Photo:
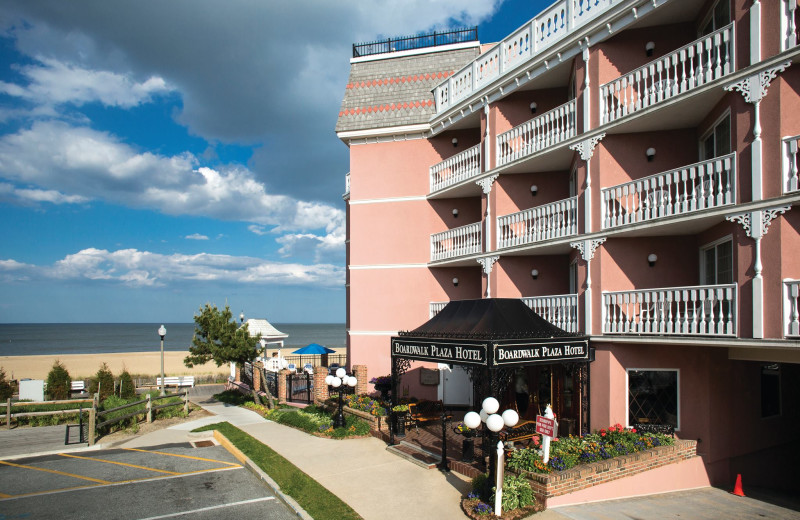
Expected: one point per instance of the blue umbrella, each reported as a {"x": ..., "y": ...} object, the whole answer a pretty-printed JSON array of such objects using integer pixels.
[{"x": 313, "y": 349}]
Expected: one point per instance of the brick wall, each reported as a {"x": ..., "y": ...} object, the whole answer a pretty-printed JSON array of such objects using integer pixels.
[{"x": 584, "y": 476}]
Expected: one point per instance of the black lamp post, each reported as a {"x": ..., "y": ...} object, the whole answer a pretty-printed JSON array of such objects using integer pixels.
[{"x": 339, "y": 382}]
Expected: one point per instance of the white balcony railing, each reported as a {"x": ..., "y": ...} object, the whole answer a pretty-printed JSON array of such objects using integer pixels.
[
  {"x": 347, "y": 184},
  {"x": 457, "y": 168},
  {"x": 791, "y": 308},
  {"x": 707, "y": 184},
  {"x": 537, "y": 35},
  {"x": 560, "y": 310},
  {"x": 537, "y": 134},
  {"x": 556, "y": 220},
  {"x": 791, "y": 178},
  {"x": 702, "y": 61},
  {"x": 460, "y": 241},
  {"x": 788, "y": 24},
  {"x": 435, "y": 307},
  {"x": 704, "y": 310}
]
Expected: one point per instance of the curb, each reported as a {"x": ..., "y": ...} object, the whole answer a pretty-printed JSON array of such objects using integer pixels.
[{"x": 289, "y": 501}]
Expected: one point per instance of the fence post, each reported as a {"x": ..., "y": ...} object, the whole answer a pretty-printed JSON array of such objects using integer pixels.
[
  {"x": 8, "y": 413},
  {"x": 186, "y": 402},
  {"x": 92, "y": 419},
  {"x": 149, "y": 406}
]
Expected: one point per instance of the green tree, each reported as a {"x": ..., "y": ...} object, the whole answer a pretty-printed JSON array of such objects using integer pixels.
[
  {"x": 218, "y": 338},
  {"x": 127, "y": 390},
  {"x": 102, "y": 382},
  {"x": 6, "y": 387},
  {"x": 59, "y": 383}
]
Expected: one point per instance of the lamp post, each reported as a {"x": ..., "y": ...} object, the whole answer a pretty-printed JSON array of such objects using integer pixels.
[
  {"x": 494, "y": 423},
  {"x": 340, "y": 381},
  {"x": 162, "y": 331}
]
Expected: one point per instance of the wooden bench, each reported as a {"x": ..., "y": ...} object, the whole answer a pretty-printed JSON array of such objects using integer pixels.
[
  {"x": 425, "y": 411},
  {"x": 78, "y": 386},
  {"x": 648, "y": 427},
  {"x": 523, "y": 431},
  {"x": 177, "y": 381}
]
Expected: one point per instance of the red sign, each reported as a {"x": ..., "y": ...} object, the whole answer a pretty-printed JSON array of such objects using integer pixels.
[{"x": 545, "y": 426}]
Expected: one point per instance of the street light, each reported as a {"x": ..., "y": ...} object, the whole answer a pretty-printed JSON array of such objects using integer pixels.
[
  {"x": 162, "y": 331},
  {"x": 340, "y": 381}
]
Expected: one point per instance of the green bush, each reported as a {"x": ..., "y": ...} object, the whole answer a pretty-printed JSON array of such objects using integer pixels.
[
  {"x": 6, "y": 387},
  {"x": 59, "y": 383},
  {"x": 104, "y": 380},
  {"x": 127, "y": 390},
  {"x": 517, "y": 493}
]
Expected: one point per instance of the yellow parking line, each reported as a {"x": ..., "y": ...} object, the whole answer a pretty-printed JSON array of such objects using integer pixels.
[
  {"x": 120, "y": 463},
  {"x": 55, "y": 471},
  {"x": 3, "y": 495},
  {"x": 182, "y": 456}
]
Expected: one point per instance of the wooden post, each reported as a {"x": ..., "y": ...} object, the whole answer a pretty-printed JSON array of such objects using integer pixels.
[
  {"x": 186, "y": 402},
  {"x": 149, "y": 407},
  {"x": 8, "y": 413},
  {"x": 92, "y": 420}
]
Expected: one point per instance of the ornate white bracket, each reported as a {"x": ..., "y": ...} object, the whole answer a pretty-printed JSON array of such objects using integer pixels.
[
  {"x": 486, "y": 183},
  {"x": 756, "y": 224},
  {"x": 587, "y": 247},
  {"x": 488, "y": 263},
  {"x": 586, "y": 148},
  {"x": 754, "y": 87}
]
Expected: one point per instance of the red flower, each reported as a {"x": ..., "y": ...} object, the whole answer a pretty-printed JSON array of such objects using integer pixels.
[
  {"x": 633, "y": 430},
  {"x": 602, "y": 434}
]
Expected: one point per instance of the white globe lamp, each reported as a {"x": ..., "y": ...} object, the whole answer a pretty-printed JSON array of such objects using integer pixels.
[
  {"x": 510, "y": 418},
  {"x": 472, "y": 420},
  {"x": 491, "y": 405},
  {"x": 340, "y": 373},
  {"x": 483, "y": 415},
  {"x": 495, "y": 423}
]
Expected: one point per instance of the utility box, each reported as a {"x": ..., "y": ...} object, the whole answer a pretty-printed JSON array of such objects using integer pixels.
[{"x": 31, "y": 390}]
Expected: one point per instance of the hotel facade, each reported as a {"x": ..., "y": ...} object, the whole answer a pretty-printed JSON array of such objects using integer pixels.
[{"x": 626, "y": 168}]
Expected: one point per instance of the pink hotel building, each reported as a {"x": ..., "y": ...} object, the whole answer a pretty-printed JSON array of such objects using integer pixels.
[{"x": 626, "y": 168}]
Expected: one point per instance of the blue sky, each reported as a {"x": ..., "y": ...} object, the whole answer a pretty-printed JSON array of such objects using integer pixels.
[{"x": 155, "y": 156}]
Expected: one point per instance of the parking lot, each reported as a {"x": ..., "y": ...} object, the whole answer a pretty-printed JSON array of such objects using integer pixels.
[{"x": 178, "y": 480}]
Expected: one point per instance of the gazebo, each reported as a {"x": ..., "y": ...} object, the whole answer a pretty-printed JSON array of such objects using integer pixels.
[
  {"x": 269, "y": 334},
  {"x": 491, "y": 338}
]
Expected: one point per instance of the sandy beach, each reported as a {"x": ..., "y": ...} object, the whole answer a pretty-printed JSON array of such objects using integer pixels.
[{"x": 85, "y": 365}]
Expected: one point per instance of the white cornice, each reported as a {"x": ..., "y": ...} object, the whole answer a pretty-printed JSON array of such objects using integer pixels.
[
  {"x": 389, "y": 199},
  {"x": 386, "y": 266},
  {"x": 416, "y": 52},
  {"x": 389, "y": 131},
  {"x": 372, "y": 332}
]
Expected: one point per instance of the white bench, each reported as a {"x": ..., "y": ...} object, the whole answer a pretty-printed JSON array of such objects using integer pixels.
[
  {"x": 78, "y": 386},
  {"x": 177, "y": 381}
]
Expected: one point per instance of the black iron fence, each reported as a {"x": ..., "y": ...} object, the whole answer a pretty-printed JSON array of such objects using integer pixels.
[
  {"x": 246, "y": 374},
  {"x": 301, "y": 361},
  {"x": 420, "y": 41},
  {"x": 269, "y": 381},
  {"x": 300, "y": 387}
]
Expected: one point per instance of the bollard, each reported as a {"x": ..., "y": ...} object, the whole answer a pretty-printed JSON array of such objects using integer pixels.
[
  {"x": 92, "y": 419},
  {"x": 444, "y": 465},
  {"x": 186, "y": 402},
  {"x": 8, "y": 413},
  {"x": 149, "y": 407}
]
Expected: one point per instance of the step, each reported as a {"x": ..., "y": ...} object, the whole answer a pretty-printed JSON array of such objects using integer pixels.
[{"x": 415, "y": 454}]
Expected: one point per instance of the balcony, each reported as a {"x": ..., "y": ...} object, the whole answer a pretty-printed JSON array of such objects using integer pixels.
[
  {"x": 535, "y": 135},
  {"x": 560, "y": 310},
  {"x": 703, "y": 185},
  {"x": 556, "y": 220},
  {"x": 703, "y": 310},
  {"x": 346, "y": 186},
  {"x": 458, "y": 168},
  {"x": 791, "y": 179},
  {"x": 788, "y": 25},
  {"x": 791, "y": 308},
  {"x": 457, "y": 242},
  {"x": 688, "y": 68},
  {"x": 526, "y": 43}
]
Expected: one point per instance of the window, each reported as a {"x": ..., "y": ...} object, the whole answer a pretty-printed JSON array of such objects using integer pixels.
[
  {"x": 770, "y": 390},
  {"x": 718, "y": 17},
  {"x": 573, "y": 278},
  {"x": 717, "y": 263},
  {"x": 653, "y": 397},
  {"x": 718, "y": 140}
]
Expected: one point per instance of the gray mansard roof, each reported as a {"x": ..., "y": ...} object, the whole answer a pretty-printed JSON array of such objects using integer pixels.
[{"x": 397, "y": 91}]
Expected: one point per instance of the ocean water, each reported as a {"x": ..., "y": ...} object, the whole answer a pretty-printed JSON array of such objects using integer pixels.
[{"x": 31, "y": 339}]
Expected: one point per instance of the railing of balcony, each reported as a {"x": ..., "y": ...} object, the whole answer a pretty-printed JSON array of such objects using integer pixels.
[
  {"x": 560, "y": 310},
  {"x": 702, "y": 61},
  {"x": 347, "y": 184},
  {"x": 540, "y": 132},
  {"x": 537, "y": 35},
  {"x": 789, "y": 36},
  {"x": 555, "y": 220},
  {"x": 707, "y": 184},
  {"x": 791, "y": 179},
  {"x": 457, "y": 168},
  {"x": 420, "y": 41},
  {"x": 704, "y": 310},
  {"x": 435, "y": 307},
  {"x": 791, "y": 308},
  {"x": 460, "y": 241}
]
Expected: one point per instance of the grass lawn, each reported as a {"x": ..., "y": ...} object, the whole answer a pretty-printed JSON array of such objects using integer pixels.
[{"x": 320, "y": 503}]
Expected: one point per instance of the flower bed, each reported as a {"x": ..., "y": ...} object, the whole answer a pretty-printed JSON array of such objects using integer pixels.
[{"x": 314, "y": 421}]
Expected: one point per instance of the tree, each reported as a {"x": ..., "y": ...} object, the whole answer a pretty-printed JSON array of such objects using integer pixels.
[
  {"x": 127, "y": 390},
  {"x": 102, "y": 382},
  {"x": 218, "y": 338},
  {"x": 59, "y": 383},
  {"x": 6, "y": 386}
]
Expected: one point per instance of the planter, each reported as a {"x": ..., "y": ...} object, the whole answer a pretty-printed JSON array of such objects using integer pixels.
[
  {"x": 384, "y": 390},
  {"x": 468, "y": 450},
  {"x": 399, "y": 424}
]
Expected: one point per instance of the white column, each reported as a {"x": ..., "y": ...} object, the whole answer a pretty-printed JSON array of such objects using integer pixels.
[
  {"x": 488, "y": 264},
  {"x": 486, "y": 186},
  {"x": 587, "y": 102},
  {"x": 586, "y": 151},
  {"x": 755, "y": 32},
  {"x": 587, "y": 249}
]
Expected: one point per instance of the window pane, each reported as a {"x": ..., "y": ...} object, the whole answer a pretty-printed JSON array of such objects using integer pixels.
[
  {"x": 709, "y": 266},
  {"x": 653, "y": 397},
  {"x": 722, "y": 14},
  {"x": 708, "y": 147},
  {"x": 770, "y": 390},
  {"x": 725, "y": 263},
  {"x": 722, "y": 138}
]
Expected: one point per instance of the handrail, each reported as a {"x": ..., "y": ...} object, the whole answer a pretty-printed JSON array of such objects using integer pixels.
[
  {"x": 460, "y": 241},
  {"x": 542, "y": 131},
  {"x": 555, "y": 220},
  {"x": 459, "y": 167},
  {"x": 420, "y": 41}
]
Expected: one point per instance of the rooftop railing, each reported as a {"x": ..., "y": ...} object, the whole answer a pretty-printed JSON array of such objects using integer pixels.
[{"x": 420, "y": 41}]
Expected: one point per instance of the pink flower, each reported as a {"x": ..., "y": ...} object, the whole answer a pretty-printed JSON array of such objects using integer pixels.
[{"x": 602, "y": 434}]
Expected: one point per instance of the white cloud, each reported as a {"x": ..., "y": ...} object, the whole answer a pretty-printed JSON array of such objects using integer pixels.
[
  {"x": 53, "y": 82},
  {"x": 136, "y": 268},
  {"x": 258, "y": 230},
  {"x": 36, "y": 195},
  {"x": 196, "y": 236}
]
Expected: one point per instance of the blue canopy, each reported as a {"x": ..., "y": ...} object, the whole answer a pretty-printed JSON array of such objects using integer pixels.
[{"x": 312, "y": 349}]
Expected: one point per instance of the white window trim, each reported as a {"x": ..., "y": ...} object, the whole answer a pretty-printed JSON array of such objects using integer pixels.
[
  {"x": 628, "y": 391},
  {"x": 708, "y": 246}
]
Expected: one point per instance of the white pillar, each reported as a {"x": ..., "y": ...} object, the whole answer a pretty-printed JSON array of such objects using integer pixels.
[{"x": 755, "y": 32}]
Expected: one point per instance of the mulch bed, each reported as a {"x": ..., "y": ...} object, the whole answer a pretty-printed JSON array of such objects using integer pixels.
[{"x": 468, "y": 504}]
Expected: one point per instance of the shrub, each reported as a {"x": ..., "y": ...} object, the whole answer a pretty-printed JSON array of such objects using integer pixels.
[
  {"x": 517, "y": 493},
  {"x": 59, "y": 383},
  {"x": 6, "y": 387},
  {"x": 127, "y": 390},
  {"x": 104, "y": 381}
]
